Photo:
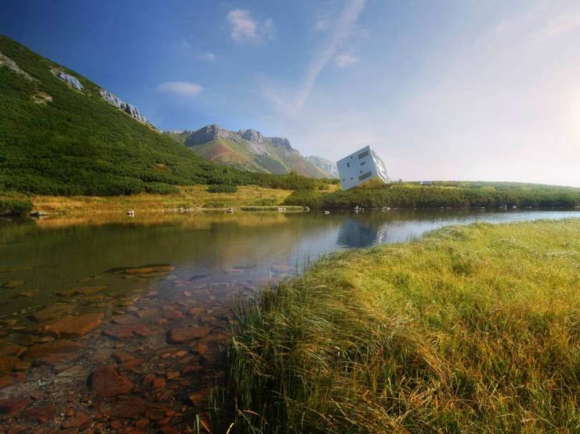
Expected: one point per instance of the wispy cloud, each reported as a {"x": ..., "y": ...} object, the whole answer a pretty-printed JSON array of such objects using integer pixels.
[
  {"x": 245, "y": 28},
  {"x": 182, "y": 88},
  {"x": 345, "y": 60},
  {"x": 322, "y": 24},
  {"x": 339, "y": 32},
  {"x": 207, "y": 57}
]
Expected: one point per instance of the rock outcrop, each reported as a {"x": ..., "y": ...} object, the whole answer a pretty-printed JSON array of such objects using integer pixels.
[
  {"x": 12, "y": 65},
  {"x": 207, "y": 134},
  {"x": 72, "y": 81},
  {"x": 131, "y": 110}
]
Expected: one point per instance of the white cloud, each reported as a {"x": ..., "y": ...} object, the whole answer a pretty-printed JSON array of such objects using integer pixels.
[
  {"x": 207, "y": 57},
  {"x": 245, "y": 28},
  {"x": 182, "y": 88},
  {"x": 345, "y": 60}
]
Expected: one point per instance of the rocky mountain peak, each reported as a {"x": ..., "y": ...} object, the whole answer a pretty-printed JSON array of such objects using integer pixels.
[
  {"x": 282, "y": 142},
  {"x": 207, "y": 134},
  {"x": 252, "y": 135}
]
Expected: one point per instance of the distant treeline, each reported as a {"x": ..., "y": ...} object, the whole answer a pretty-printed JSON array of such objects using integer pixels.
[{"x": 442, "y": 194}]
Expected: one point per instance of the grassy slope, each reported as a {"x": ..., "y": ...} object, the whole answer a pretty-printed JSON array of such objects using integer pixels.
[
  {"x": 448, "y": 194},
  {"x": 473, "y": 329},
  {"x": 79, "y": 144}
]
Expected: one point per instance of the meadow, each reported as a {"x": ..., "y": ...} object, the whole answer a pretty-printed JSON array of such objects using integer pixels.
[{"x": 471, "y": 329}]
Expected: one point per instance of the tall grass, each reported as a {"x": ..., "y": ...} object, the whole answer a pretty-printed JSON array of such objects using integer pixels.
[{"x": 472, "y": 329}]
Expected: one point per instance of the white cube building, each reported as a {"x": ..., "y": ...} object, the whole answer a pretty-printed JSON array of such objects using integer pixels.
[{"x": 359, "y": 167}]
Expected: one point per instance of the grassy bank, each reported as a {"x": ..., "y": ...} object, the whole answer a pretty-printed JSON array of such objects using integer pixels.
[
  {"x": 441, "y": 194},
  {"x": 472, "y": 329},
  {"x": 191, "y": 197}
]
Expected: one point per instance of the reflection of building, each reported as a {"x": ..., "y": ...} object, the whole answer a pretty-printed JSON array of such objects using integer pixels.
[
  {"x": 359, "y": 167},
  {"x": 356, "y": 233}
]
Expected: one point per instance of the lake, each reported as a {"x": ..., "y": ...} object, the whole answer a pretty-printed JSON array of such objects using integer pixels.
[{"x": 154, "y": 297}]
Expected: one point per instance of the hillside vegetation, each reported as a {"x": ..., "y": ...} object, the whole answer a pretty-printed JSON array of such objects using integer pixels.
[
  {"x": 441, "y": 194},
  {"x": 470, "y": 330},
  {"x": 58, "y": 140}
]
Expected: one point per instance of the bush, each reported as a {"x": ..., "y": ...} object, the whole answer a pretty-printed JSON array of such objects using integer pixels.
[{"x": 18, "y": 208}]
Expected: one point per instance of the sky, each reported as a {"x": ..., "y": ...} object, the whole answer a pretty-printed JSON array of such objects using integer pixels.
[{"x": 445, "y": 89}]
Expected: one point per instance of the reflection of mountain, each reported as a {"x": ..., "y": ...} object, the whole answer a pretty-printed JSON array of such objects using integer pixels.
[{"x": 357, "y": 233}]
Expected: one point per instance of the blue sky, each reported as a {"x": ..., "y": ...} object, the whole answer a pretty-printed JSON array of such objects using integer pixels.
[{"x": 445, "y": 89}]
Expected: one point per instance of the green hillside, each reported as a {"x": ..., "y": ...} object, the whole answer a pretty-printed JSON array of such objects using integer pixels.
[{"x": 55, "y": 139}]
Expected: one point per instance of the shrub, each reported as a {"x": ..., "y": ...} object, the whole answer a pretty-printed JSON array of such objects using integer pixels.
[{"x": 11, "y": 207}]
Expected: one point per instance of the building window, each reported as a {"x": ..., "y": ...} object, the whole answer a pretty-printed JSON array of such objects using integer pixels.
[
  {"x": 365, "y": 176},
  {"x": 347, "y": 164},
  {"x": 362, "y": 163},
  {"x": 363, "y": 154}
]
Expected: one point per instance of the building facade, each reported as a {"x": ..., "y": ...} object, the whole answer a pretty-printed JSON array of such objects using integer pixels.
[{"x": 359, "y": 167}]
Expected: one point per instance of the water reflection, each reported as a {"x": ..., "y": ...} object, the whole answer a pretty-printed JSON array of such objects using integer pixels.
[
  {"x": 53, "y": 255},
  {"x": 358, "y": 233}
]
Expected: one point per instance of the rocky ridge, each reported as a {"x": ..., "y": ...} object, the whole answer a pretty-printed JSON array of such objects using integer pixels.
[
  {"x": 324, "y": 164},
  {"x": 248, "y": 149}
]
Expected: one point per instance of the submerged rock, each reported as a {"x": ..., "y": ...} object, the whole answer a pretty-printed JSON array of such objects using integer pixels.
[
  {"x": 85, "y": 290},
  {"x": 11, "y": 407},
  {"x": 11, "y": 379},
  {"x": 186, "y": 334},
  {"x": 145, "y": 269},
  {"x": 53, "y": 353},
  {"x": 10, "y": 349},
  {"x": 75, "y": 326},
  {"x": 106, "y": 382},
  {"x": 52, "y": 312},
  {"x": 8, "y": 363}
]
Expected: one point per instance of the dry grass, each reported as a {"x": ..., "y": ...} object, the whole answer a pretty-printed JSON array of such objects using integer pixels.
[
  {"x": 472, "y": 329},
  {"x": 188, "y": 197}
]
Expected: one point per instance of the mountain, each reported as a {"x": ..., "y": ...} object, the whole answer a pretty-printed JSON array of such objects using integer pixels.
[
  {"x": 248, "y": 150},
  {"x": 62, "y": 134},
  {"x": 325, "y": 165}
]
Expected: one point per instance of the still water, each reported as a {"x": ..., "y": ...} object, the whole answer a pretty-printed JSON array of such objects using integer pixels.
[
  {"x": 247, "y": 249},
  {"x": 149, "y": 341}
]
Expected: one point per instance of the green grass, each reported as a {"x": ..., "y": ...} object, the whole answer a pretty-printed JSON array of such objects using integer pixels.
[
  {"x": 78, "y": 144},
  {"x": 442, "y": 194},
  {"x": 470, "y": 330}
]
